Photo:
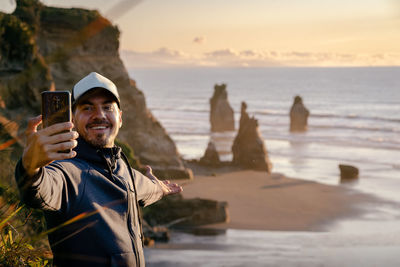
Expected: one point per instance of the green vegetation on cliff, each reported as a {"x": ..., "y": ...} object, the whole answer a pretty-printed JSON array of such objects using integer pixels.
[
  {"x": 17, "y": 44},
  {"x": 71, "y": 18}
]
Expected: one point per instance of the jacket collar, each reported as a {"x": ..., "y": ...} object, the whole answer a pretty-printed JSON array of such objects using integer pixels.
[{"x": 89, "y": 153}]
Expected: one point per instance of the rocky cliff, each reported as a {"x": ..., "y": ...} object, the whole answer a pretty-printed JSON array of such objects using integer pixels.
[{"x": 45, "y": 48}]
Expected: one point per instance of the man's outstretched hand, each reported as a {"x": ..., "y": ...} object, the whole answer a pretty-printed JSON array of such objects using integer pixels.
[
  {"x": 43, "y": 146},
  {"x": 168, "y": 188}
]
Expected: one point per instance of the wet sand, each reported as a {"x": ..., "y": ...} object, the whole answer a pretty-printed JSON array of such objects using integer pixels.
[
  {"x": 259, "y": 201},
  {"x": 278, "y": 221}
]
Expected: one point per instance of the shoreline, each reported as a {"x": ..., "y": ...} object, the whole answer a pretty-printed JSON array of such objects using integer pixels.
[{"x": 260, "y": 201}]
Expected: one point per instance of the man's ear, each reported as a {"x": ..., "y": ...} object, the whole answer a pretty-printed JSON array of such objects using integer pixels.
[{"x": 120, "y": 118}]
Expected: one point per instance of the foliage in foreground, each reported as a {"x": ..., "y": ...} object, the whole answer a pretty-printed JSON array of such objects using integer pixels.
[
  {"x": 16, "y": 251},
  {"x": 20, "y": 227}
]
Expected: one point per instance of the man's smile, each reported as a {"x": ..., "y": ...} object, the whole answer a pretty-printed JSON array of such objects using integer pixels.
[{"x": 98, "y": 126}]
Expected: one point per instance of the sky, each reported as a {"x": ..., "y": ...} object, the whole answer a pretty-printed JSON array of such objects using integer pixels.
[{"x": 251, "y": 33}]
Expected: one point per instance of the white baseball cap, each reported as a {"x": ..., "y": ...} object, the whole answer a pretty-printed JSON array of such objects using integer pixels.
[{"x": 91, "y": 81}]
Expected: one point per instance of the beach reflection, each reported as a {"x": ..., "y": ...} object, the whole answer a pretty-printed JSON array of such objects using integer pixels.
[
  {"x": 299, "y": 149},
  {"x": 223, "y": 142},
  {"x": 347, "y": 246}
]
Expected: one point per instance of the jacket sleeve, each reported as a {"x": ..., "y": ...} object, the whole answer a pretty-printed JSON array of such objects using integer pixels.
[
  {"x": 148, "y": 191},
  {"x": 47, "y": 190}
]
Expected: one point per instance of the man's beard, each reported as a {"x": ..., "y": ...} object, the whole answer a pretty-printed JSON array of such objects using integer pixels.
[{"x": 99, "y": 141}]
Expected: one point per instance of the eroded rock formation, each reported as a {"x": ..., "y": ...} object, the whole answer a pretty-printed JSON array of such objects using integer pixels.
[
  {"x": 60, "y": 46},
  {"x": 248, "y": 148},
  {"x": 348, "y": 172},
  {"x": 210, "y": 156},
  {"x": 298, "y": 116},
  {"x": 186, "y": 212},
  {"x": 221, "y": 113}
]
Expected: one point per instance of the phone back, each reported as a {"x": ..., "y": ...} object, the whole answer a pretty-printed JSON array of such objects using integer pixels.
[{"x": 56, "y": 107}]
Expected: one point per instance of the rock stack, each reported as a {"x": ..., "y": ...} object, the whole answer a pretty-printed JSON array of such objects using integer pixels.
[
  {"x": 248, "y": 147},
  {"x": 298, "y": 116},
  {"x": 221, "y": 114},
  {"x": 210, "y": 157},
  {"x": 348, "y": 173},
  {"x": 186, "y": 212}
]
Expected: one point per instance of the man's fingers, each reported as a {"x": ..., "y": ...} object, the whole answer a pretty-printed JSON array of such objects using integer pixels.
[
  {"x": 177, "y": 188},
  {"x": 174, "y": 188},
  {"x": 62, "y": 146},
  {"x": 62, "y": 137},
  {"x": 170, "y": 189},
  {"x": 61, "y": 156},
  {"x": 33, "y": 124},
  {"x": 166, "y": 185},
  {"x": 58, "y": 127}
]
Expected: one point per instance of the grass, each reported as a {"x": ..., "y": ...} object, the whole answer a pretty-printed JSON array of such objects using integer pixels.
[
  {"x": 19, "y": 225},
  {"x": 15, "y": 250}
]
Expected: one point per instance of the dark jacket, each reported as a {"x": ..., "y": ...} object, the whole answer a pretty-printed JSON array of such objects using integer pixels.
[{"x": 89, "y": 202}]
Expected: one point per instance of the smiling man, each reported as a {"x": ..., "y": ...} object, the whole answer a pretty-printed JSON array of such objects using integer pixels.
[{"x": 90, "y": 195}]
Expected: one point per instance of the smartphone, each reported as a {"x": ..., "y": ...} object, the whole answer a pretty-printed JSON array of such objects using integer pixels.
[{"x": 56, "y": 108}]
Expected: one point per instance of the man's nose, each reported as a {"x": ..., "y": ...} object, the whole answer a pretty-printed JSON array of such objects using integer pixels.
[{"x": 99, "y": 113}]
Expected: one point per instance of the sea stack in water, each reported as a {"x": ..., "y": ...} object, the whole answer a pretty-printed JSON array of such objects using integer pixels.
[
  {"x": 221, "y": 114},
  {"x": 298, "y": 116},
  {"x": 248, "y": 148},
  {"x": 211, "y": 156}
]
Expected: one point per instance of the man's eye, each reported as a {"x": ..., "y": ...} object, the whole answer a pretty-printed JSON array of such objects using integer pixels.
[
  {"x": 108, "y": 108},
  {"x": 87, "y": 108}
]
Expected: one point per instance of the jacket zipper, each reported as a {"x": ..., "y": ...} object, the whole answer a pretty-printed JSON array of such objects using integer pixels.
[{"x": 129, "y": 222}]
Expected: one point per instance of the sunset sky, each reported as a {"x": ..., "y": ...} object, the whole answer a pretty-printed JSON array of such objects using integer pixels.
[{"x": 252, "y": 32}]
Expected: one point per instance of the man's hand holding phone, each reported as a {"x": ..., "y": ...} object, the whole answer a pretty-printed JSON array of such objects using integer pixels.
[
  {"x": 56, "y": 140},
  {"x": 45, "y": 145}
]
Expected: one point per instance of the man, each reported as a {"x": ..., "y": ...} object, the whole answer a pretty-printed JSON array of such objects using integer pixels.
[{"x": 90, "y": 195}]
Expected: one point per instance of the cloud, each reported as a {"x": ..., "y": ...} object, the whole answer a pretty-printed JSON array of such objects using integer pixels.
[
  {"x": 245, "y": 58},
  {"x": 168, "y": 53},
  {"x": 249, "y": 53},
  {"x": 222, "y": 53},
  {"x": 165, "y": 57},
  {"x": 199, "y": 40}
]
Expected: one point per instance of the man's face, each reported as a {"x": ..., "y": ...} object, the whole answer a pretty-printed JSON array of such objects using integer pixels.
[{"x": 97, "y": 119}]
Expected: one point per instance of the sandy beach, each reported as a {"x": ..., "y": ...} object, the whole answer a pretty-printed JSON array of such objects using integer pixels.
[
  {"x": 279, "y": 221},
  {"x": 260, "y": 201}
]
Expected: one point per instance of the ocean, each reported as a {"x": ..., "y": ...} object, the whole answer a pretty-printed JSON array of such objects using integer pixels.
[{"x": 354, "y": 119}]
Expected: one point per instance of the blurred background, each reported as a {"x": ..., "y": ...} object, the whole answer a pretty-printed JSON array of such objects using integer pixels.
[{"x": 341, "y": 57}]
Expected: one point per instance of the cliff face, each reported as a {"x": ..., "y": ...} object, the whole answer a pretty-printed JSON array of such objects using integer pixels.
[
  {"x": 69, "y": 44},
  {"x": 23, "y": 75}
]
